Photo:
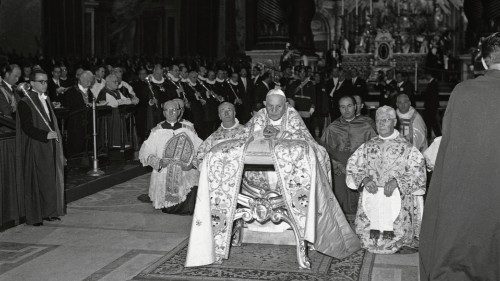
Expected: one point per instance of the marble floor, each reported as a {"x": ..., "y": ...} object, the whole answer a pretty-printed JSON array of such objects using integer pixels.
[{"x": 112, "y": 236}]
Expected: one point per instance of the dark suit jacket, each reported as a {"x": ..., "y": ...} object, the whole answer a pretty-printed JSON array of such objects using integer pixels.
[
  {"x": 360, "y": 88},
  {"x": 73, "y": 99},
  {"x": 387, "y": 93},
  {"x": 408, "y": 89},
  {"x": 431, "y": 96},
  {"x": 260, "y": 93},
  {"x": 345, "y": 88},
  {"x": 5, "y": 107}
]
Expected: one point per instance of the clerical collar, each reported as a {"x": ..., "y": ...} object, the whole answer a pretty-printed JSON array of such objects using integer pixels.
[
  {"x": 172, "y": 77},
  {"x": 202, "y": 78},
  {"x": 184, "y": 80},
  {"x": 236, "y": 123},
  {"x": 349, "y": 119},
  {"x": 406, "y": 115},
  {"x": 400, "y": 83},
  {"x": 168, "y": 126},
  {"x": 211, "y": 82},
  {"x": 354, "y": 79},
  {"x": 219, "y": 80},
  {"x": 388, "y": 81},
  {"x": 153, "y": 79},
  {"x": 84, "y": 90},
  {"x": 394, "y": 135},
  {"x": 191, "y": 83},
  {"x": 233, "y": 83},
  {"x": 275, "y": 123},
  {"x": 267, "y": 86}
]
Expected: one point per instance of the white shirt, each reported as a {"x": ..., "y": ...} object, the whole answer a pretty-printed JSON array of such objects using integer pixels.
[
  {"x": 134, "y": 98},
  {"x": 244, "y": 80},
  {"x": 43, "y": 100},
  {"x": 8, "y": 85},
  {"x": 265, "y": 84},
  {"x": 97, "y": 87}
]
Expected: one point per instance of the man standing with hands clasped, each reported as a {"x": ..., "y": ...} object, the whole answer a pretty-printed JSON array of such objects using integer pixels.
[{"x": 40, "y": 160}]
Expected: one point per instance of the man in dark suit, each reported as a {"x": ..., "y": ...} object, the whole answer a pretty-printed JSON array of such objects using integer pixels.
[
  {"x": 359, "y": 84},
  {"x": 76, "y": 99},
  {"x": 54, "y": 86},
  {"x": 247, "y": 94},
  {"x": 431, "y": 104},
  {"x": 403, "y": 86},
  {"x": 8, "y": 96},
  {"x": 261, "y": 90},
  {"x": 337, "y": 88}
]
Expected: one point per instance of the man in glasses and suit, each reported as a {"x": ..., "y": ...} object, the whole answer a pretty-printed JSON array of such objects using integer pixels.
[{"x": 40, "y": 159}]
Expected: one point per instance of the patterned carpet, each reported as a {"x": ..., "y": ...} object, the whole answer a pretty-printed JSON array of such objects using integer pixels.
[{"x": 261, "y": 262}]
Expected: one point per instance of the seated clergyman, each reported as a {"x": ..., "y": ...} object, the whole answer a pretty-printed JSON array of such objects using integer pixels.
[
  {"x": 303, "y": 174},
  {"x": 170, "y": 150},
  {"x": 229, "y": 129},
  {"x": 390, "y": 171}
]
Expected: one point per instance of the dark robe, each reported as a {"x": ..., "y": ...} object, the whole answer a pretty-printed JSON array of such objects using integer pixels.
[
  {"x": 211, "y": 109},
  {"x": 78, "y": 122},
  {"x": 260, "y": 93},
  {"x": 146, "y": 116},
  {"x": 194, "y": 95},
  {"x": 431, "y": 105},
  {"x": 40, "y": 162},
  {"x": 387, "y": 92},
  {"x": 248, "y": 98},
  {"x": 238, "y": 91},
  {"x": 360, "y": 88},
  {"x": 406, "y": 88},
  {"x": 341, "y": 139},
  {"x": 460, "y": 236},
  {"x": 163, "y": 91}
]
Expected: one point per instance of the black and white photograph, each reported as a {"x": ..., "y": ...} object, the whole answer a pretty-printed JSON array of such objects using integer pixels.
[{"x": 235, "y": 140}]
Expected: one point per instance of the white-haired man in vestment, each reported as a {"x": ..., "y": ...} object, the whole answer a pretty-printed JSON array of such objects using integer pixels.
[
  {"x": 170, "y": 150},
  {"x": 390, "y": 174},
  {"x": 302, "y": 167}
]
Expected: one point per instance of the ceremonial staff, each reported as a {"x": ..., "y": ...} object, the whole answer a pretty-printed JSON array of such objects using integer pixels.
[
  {"x": 210, "y": 92},
  {"x": 25, "y": 87},
  {"x": 148, "y": 80},
  {"x": 95, "y": 172},
  {"x": 179, "y": 86},
  {"x": 237, "y": 99}
]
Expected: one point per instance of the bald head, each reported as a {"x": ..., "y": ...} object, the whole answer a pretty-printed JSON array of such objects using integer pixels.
[
  {"x": 227, "y": 114},
  {"x": 403, "y": 103}
]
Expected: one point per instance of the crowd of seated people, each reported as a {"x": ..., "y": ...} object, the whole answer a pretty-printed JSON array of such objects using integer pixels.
[{"x": 144, "y": 84}]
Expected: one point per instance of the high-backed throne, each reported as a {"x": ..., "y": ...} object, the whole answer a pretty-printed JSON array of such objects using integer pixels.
[{"x": 261, "y": 201}]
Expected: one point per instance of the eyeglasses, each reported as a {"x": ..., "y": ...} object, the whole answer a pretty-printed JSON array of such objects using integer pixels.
[{"x": 43, "y": 82}]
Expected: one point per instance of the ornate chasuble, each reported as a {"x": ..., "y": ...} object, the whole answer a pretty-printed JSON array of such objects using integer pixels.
[
  {"x": 383, "y": 160},
  {"x": 303, "y": 170},
  {"x": 177, "y": 145}
]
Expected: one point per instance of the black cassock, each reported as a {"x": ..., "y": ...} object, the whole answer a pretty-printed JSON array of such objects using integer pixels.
[
  {"x": 39, "y": 161},
  {"x": 146, "y": 115},
  {"x": 195, "y": 94},
  {"x": 460, "y": 237},
  {"x": 211, "y": 118}
]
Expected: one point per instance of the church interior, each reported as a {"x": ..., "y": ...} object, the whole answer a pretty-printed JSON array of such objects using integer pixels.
[{"x": 150, "y": 124}]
